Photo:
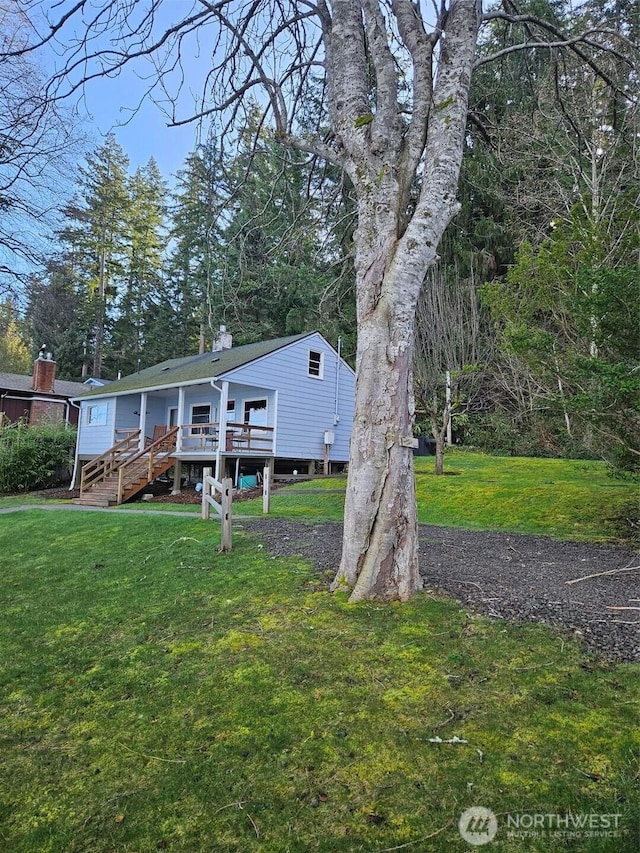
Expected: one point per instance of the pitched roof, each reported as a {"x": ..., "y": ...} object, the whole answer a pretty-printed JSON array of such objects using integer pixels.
[
  {"x": 191, "y": 368},
  {"x": 24, "y": 384}
]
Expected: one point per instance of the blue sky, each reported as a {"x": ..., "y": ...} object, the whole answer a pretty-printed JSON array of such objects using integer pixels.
[
  {"x": 140, "y": 128},
  {"x": 118, "y": 104}
]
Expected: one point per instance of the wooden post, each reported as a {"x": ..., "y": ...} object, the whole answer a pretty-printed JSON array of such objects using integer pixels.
[
  {"x": 177, "y": 477},
  {"x": 266, "y": 488},
  {"x": 206, "y": 506},
  {"x": 120, "y": 486},
  {"x": 227, "y": 495}
]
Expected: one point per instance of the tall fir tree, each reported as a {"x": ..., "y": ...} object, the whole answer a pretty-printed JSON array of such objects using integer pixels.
[
  {"x": 96, "y": 238},
  {"x": 142, "y": 270},
  {"x": 198, "y": 258},
  {"x": 285, "y": 270},
  {"x": 58, "y": 315}
]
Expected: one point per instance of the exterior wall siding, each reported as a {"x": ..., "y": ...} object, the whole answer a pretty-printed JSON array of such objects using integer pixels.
[
  {"x": 306, "y": 404},
  {"x": 125, "y": 408},
  {"x": 14, "y": 409},
  {"x": 156, "y": 413},
  {"x": 95, "y": 438}
]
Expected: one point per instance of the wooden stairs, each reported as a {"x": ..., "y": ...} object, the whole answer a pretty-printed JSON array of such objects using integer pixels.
[{"x": 124, "y": 470}]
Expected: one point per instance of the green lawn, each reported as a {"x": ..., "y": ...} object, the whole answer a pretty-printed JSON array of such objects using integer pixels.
[
  {"x": 567, "y": 499},
  {"x": 159, "y": 695},
  {"x": 556, "y": 497},
  {"x": 26, "y": 499}
]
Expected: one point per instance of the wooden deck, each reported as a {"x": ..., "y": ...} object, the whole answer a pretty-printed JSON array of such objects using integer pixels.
[
  {"x": 126, "y": 468},
  {"x": 239, "y": 439}
]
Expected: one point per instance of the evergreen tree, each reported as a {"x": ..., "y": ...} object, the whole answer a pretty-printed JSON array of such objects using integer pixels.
[
  {"x": 555, "y": 201},
  {"x": 142, "y": 270},
  {"x": 285, "y": 268},
  {"x": 195, "y": 269},
  {"x": 15, "y": 356},
  {"x": 96, "y": 238},
  {"x": 57, "y": 315}
]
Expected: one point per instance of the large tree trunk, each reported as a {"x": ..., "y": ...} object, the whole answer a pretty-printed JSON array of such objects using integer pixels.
[
  {"x": 379, "y": 557},
  {"x": 395, "y": 243}
]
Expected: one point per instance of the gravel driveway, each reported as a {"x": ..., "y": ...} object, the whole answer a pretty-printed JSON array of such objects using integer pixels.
[{"x": 504, "y": 576}]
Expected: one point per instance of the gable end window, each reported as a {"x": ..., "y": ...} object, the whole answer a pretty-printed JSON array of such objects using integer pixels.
[{"x": 316, "y": 364}]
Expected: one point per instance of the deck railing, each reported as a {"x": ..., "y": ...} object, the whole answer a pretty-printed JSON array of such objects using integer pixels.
[
  {"x": 102, "y": 466},
  {"x": 239, "y": 438},
  {"x": 142, "y": 465}
]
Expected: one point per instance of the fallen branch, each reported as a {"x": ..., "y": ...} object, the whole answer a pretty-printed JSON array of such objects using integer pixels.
[
  {"x": 154, "y": 757},
  {"x": 240, "y": 805},
  {"x": 447, "y": 721},
  {"x": 601, "y": 574},
  {"x": 611, "y": 607},
  {"x": 418, "y": 840},
  {"x": 237, "y": 803},
  {"x": 170, "y": 545}
]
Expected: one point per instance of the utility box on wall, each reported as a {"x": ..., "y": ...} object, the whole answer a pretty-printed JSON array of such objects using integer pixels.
[{"x": 329, "y": 436}]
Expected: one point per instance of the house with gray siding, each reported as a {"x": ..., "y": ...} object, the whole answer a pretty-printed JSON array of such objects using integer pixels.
[{"x": 285, "y": 403}]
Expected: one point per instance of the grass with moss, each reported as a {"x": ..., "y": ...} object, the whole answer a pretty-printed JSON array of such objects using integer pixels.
[
  {"x": 567, "y": 499},
  {"x": 160, "y": 695}
]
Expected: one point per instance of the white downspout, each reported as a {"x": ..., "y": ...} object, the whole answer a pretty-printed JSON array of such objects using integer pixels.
[{"x": 180, "y": 418}]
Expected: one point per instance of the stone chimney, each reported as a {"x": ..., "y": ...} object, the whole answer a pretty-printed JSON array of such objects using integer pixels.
[
  {"x": 223, "y": 341},
  {"x": 44, "y": 372}
]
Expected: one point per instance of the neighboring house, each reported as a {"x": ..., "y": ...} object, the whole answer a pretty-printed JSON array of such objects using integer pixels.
[
  {"x": 38, "y": 398},
  {"x": 285, "y": 403}
]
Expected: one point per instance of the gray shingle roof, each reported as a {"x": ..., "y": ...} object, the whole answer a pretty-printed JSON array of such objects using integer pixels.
[
  {"x": 191, "y": 368},
  {"x": 24, "y": 384}
]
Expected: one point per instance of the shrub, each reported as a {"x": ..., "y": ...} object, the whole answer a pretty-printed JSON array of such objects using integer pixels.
[
  {"x": 32, "y": 457},
  {"x": 503, "y": 435}
]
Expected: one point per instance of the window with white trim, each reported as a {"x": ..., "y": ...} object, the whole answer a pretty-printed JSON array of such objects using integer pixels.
[
  {"x": 97, "y": 414},
  {"x": 200, "y": 415},
  {"x": 316, "y": 364},
  {"x": 255, "y": 412}
]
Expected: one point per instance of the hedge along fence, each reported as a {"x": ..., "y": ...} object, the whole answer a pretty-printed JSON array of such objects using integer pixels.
[{"x": 33, "y": 457}]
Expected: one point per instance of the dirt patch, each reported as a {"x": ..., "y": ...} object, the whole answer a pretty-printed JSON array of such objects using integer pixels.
[
  {"x": 503, "y": 576},
  {"x": 187, "y": 496}
]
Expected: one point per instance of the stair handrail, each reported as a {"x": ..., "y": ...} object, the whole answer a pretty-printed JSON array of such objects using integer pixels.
[
  {"x": 99, "y": 468},
  {"x": 168, "y": 439}
]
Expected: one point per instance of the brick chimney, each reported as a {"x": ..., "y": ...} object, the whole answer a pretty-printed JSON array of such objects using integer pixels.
[
  {"x": 223, "y": 341},
  {"x": 44, "y": 372}
]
